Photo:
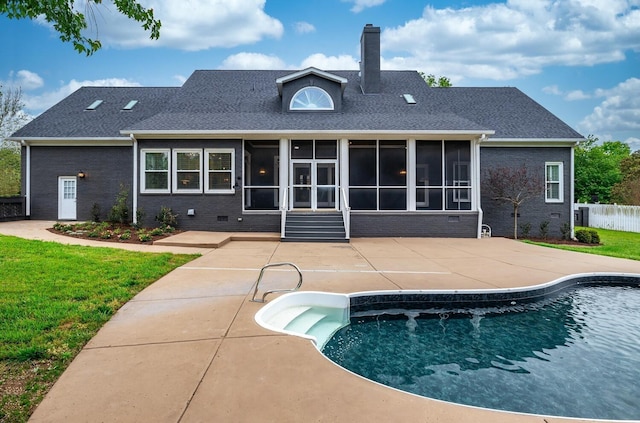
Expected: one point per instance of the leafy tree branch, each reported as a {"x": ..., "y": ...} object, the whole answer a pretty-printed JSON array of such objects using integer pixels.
[{"x": 70, "y": 22}]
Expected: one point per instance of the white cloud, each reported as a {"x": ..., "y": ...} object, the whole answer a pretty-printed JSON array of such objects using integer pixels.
[
  {"x": 26, "y": 80},
  {"x": 304, "y": 27},
  {"x": 552, "y": 89},
  {"x": 360, "y": 5},
  {"x": 190, "y": 25},
  {"x": 576, "y": 95},
  {"x": 37, "y": 103},
  {"x": 180, "y": 78},
  {"x": 569, "y": 96},
  {"x": 634, "y": 143},
  {"x": 252, "y": 61},
  {"x": 262, "y": 61},
  {"x": 619, "y": 111},
  {"x": 320, "y": 61},
  {"x": 518, "y": 38}
]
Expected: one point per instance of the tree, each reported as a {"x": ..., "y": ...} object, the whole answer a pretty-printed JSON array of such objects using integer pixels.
[
  {"x": 442, "y": 82},
  {"x": 11, "y": 119},
  {"x": 627, "y": 191},
  {"x": 70, "y": 23},
  {"x": 513, "y": 186},
  {"x": 597, "y": 168}
]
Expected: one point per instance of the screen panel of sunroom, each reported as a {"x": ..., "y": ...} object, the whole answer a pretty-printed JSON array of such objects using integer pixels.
[
  {"x": 261, "y": 175},
  {"x": 378, "y": 175}
]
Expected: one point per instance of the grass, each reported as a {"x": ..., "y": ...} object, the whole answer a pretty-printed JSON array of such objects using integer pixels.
[
  {"x": 612, "y": 243},
  {"x": 53, "y": 300}
]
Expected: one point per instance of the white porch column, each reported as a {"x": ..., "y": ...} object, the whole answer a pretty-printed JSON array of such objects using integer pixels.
[
  {"x": 284, "y": 171},
  {"x": 411, "y": 174},
  {"x": 343, "y": 164}
]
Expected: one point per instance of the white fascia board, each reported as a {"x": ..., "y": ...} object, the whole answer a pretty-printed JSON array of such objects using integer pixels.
[
  {"x": 308, "y": 71},
  {"x": 531, "y": 142},
  {"x": 77, "y": 141},
  {"x": 355, "y": 134}
]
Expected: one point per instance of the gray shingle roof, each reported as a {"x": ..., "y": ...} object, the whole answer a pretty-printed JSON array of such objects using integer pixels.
[
  {"x": 239, "y": 100},
  {"x": 69, "y": 119}
]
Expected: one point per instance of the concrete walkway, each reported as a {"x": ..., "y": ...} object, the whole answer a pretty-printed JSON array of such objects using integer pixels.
[{"x": 187, "y": 349}]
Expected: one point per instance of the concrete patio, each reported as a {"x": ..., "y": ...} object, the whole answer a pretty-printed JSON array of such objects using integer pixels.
[{"x": 187, "y": 348}]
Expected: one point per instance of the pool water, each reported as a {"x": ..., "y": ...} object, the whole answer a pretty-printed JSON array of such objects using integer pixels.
[{"x": 577, "y": 355}]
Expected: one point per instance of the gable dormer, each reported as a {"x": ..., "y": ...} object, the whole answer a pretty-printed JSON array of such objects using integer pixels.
[{"x": 311, "y": 90}]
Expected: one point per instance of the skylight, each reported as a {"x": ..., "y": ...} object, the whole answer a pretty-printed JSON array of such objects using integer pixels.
[
  {"x": 130, "y": 105},
  {"x": 409, "y": 98},
  {"x": 94, "y": 105}
]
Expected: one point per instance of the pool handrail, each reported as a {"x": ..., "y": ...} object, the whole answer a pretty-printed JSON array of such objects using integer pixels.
[{"x": 266, "y": 266}]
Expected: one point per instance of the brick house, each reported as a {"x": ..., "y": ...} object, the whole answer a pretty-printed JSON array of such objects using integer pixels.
[{"x": 374, "y": 152}]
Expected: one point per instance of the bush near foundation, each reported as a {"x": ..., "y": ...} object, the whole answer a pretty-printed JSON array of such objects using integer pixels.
[{"x": 588, "y": 236}]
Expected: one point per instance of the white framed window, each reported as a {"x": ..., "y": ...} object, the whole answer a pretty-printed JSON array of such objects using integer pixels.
[
  {"x": 187, "y": 171},
  {"x": 219, "y": 170},
  {"x": 155, "y": 165},
  {"x": 311, "y": 98},
  {"x": 553, "y": 182}
]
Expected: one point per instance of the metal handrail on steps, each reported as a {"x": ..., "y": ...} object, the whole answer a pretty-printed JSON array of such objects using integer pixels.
[
  {"x": 275, "y": 290},
  {"x": 346, "y": 213},
  {"x": 283, "y": 213}
]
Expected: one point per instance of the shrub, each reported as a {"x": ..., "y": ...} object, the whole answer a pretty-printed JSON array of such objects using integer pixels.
[
  {"x": 565, "y": 230},
  {"x": 168, "y": 229},
  {"x": 525, "y": 229},
  {"x": 166, "y": 217},
  {"x": 120, "y": 211},
  {"x": 157, "y": 231},
  {"x": 144, "y": 236},
  {"x": 588, "y": 236},
  {"x": 544, "y": 229},
  {"x": 125, "y": 235},
  {"x": 95, "y": 212},
  {"x": 140, "y": 215}
]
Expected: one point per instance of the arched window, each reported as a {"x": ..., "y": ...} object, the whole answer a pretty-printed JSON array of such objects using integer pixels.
[{"x": 311, "y": 98}]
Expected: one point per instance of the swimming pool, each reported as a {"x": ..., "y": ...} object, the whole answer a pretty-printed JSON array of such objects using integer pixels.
[{"x": 490, "y": 348}]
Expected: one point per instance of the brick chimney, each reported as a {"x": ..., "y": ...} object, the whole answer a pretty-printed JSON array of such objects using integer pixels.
[{"x": 370, "y": 59}]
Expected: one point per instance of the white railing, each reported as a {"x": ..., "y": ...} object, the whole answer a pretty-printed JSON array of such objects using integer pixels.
[
  {"x": 346, "y": 213},
  {"x": 613, "y": 216},
  {"x": 283, "y": 213}
]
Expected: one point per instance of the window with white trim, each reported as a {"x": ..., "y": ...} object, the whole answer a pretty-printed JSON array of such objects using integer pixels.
[
  {"x": 155, "y": 165},
  {"x": 553, "y": 182},
  {"x": 219, "y": 170},
  {"x": 311, "y": 98},
  {"x": 187, "y": 170}
]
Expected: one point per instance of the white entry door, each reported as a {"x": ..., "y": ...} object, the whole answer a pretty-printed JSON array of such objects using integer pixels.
[
  {"x": 67, "y": 193},
  {"x": 313, "y": 184}
]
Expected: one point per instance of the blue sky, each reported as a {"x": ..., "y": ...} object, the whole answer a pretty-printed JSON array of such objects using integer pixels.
[{"x": 578, "y": 58}]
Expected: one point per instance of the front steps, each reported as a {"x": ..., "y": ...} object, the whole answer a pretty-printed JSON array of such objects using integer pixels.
[{"x": 314, "y": 227}]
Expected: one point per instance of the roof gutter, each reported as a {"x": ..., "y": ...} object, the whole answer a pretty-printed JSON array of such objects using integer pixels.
[
  {"x": 528, "y": 142},
  {"x": 75, "y": 141},
  {"x": 353, "y": 134}
]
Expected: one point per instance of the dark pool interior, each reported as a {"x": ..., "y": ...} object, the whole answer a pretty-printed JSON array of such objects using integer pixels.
[{"x": 566, "y": 349}]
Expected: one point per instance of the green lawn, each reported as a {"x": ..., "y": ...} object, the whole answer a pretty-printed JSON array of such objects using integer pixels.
[
  {"x": 612, "y": 243},
  {"x": 53, "y": 299}
]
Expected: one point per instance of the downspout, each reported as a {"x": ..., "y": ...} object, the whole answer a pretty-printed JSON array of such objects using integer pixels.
[
  {"x": 27, "y": 179},
  {"x": 477, "y": 184},
  {"x": 134, "y": 188},
  {"x": 572, "y": 190}
]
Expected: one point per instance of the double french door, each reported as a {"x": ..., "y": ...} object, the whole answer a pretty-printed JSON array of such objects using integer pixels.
[{"x": 313, "y": 184}]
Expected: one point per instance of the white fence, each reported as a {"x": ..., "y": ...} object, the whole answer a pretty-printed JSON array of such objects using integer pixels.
[{"x": 613, "y": 216}]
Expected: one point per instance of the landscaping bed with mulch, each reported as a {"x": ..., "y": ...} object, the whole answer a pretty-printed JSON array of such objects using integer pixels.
[{"x": 113, "y": 232}]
